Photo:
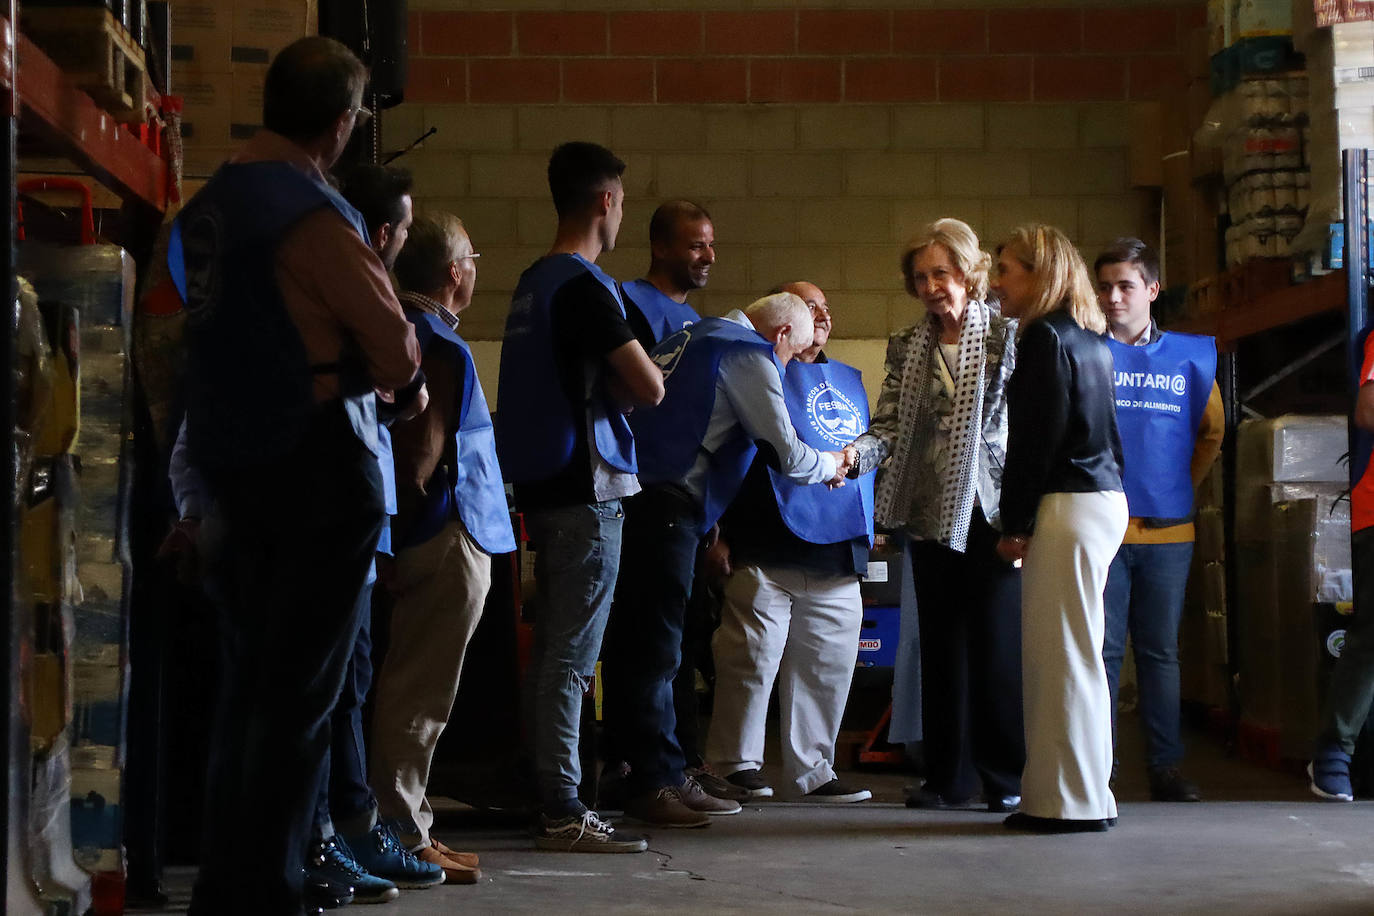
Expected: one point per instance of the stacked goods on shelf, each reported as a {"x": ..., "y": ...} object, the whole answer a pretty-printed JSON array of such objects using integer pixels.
[
  {"x": 99, "y": 51},
  {"x": 92, "y": 286},
  {"x": 45, "y": 591},
  {"x": 1267, "y": 181},
  {"x": 1340, "y": 60},
  {"x": 1292, "y": 556},
  {"x": 220, "y": 54}
]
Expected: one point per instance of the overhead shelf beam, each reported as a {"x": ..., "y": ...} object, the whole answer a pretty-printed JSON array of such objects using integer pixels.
[
  {"x": 1272, "y": 310},
  {"x": 68, "y": 121}
]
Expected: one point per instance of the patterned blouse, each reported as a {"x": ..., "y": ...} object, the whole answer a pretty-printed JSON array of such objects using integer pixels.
[{"x": 928, "y": 436}]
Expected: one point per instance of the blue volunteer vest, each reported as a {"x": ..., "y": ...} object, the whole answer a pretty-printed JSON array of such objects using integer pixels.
[
  {"x": 475, "y": 491},
  {"x": 1363, "y": 439},
  {"x": 669, "y": 436},
  {"x": 1161, "y": 395},
  {"x": 248, "y": 382},
  {"x": 829, "y": 410},
  {"x": 535, "y": 432},
  {"x": 665, "y": 316}
]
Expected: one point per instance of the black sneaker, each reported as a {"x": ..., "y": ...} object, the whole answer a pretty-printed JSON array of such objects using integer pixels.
[
  {"x": 1168, "y": 785},
  {"x": 322, "y": 893},
  {"x": 751, "y": 781},
  {"x": 835, "y": 792},
  {"x": 584, "y": 832}
]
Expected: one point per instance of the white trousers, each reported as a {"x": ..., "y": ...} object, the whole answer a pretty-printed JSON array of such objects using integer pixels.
[
  {"x": 1068, "y": 709},
  {"x": 802, "y": 630}
]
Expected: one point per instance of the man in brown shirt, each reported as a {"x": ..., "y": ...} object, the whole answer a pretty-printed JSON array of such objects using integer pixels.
[{"x": 291, "y": 324}]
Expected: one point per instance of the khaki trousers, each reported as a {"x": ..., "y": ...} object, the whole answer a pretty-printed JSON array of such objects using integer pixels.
[
  {"x": 1068, "y": 712},
  {"x": 441, "y": 587}
]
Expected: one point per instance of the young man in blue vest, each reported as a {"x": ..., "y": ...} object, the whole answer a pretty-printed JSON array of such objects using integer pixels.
[
  {"x": 291, "y": 326},
  {"x": 570, "y": 369},
  {"x": 682, "y": 243},
  {"x": 451, "y": 518},
  {"x": 1350, "y": 692},
  {"x": 723, "y": 405},
  {"x": 792, "y": 610},
  {"x": 1169, "y": 412}
]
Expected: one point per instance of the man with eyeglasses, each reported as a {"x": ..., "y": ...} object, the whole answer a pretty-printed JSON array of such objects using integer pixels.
[
  {"x": 293, "y": 334},
  {"x": 792, "y": 611},
  {"x": 451, "y": 517}
]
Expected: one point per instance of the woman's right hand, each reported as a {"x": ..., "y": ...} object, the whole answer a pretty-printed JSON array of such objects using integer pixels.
[{"x": 1012, "y": 548}]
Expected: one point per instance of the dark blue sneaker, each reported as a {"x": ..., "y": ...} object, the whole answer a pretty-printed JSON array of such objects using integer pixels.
[
  {"x": 379, "y": 853},
  {"x": 333, "y": 861},
  {"x": 1330, "y": 775}
]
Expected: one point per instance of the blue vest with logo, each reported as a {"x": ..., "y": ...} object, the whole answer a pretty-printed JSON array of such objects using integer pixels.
[
  {"x": 474, "y": 491},
  {"x": 248, "y": 382},
  {"x": 536, "y": 433},
  {"x": 829, "y": 410},
  {"x": 669, "y": 436},
  {"x": 665, "y": 316},
  {"x": 1161, "y": 394}
]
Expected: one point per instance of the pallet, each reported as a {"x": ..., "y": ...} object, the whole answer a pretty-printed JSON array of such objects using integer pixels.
[{"x": 97, "y": 53}]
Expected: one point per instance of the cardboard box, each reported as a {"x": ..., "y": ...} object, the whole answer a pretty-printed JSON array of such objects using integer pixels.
[
  {"x": 1331, "y": 12},
  {"x": 1146, "y": 147},
  {"x": 245, "y": 113},
  {"x": 263, "y": 27},
  {"x": 208, "y": 97},
  {"x": 202, "y": 33}
]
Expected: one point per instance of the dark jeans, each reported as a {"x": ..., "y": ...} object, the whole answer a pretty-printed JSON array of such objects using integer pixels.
[
  {"x": 299, "y": 538},
  {"x": 1351, "y": 690},
  {"x": 644, "y": 638},
  {"x": 969, "y": 606},
  {"x": 1144, "y": 596},
  {"x": 346, "y": 802}
]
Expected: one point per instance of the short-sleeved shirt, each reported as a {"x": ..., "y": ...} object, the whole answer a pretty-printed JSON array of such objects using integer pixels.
[
  {"x": 1362, "y": 495},
  {"x": 586, "y": 324}
]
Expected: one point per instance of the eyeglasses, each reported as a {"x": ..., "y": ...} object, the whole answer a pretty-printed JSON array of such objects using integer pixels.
[
  {"x": 462, "y": 256},
  {"x": 362, "y": 115},
  {"x": 818, "y": 308}
]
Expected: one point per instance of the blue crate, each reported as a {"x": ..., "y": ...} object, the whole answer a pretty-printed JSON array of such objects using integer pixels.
[{"x": 878, "y": 637}]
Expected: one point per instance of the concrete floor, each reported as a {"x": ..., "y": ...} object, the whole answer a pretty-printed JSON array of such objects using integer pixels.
[{"x": 1259, "y": 844}]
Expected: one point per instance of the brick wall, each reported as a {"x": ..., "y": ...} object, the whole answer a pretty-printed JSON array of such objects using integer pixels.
[{"x": 819, "y": 138}]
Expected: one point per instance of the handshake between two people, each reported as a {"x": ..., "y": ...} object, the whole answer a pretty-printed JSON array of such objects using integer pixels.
[{"x": 846, "y": 460}]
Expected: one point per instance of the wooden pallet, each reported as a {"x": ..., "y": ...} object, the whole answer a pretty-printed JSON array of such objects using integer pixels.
[{"x": 97, "y": 54}]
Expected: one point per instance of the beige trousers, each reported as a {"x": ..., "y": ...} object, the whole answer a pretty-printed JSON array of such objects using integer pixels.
[
  {"x": 441, "y": 587},
  {"x": 1068, "y": 713}
]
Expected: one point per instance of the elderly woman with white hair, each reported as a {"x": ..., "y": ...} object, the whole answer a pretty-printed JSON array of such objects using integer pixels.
[{"x": 941, "y": 426}]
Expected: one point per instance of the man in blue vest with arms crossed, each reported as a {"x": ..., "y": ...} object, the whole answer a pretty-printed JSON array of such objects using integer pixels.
[
  {"x": 570, "y": 369},
  {"x": 291, "y": 322},
  {"x": 1169, "y": 411}
]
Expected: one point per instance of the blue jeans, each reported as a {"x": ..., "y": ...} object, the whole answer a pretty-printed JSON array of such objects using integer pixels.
[
  {"x": 577, "y": 558},
  {"x": 1144, "y": 596},
  {"x": 644, "y": 639}
]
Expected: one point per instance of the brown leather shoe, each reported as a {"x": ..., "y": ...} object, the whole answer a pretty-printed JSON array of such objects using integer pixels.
[
  {"x": 453, "y": 872},
  {"x": 466, "y": 859},
  {"x": 664, "y": 808}
]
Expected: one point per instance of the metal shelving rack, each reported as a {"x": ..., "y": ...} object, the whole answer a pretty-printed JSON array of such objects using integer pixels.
[{"x": 42, "y": 105}]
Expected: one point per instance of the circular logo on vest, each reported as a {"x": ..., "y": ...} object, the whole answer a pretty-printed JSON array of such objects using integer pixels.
[
  {"x": 832, "y": 415},
  {"x": 1335, "y": 643},
  {"x": 1178, "y": 384},
  {"x": 672, "y": 354},
  {"x": 200, "y": 245}
]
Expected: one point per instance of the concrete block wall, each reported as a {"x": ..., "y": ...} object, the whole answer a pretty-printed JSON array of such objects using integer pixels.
[{"x": 819, "y": 135}]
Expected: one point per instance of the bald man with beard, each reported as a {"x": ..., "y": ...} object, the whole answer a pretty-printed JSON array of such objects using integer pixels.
[{"x": 792, "y": 609}]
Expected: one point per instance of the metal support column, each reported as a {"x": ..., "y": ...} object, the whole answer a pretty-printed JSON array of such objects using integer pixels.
[{"x": 1355, "y": 172}]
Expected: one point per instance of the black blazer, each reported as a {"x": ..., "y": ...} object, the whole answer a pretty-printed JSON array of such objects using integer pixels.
[{"x": 1061, "y": 414}]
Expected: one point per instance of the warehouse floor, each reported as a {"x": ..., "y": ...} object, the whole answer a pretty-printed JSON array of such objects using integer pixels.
[{"x": 1259, "y": 844}]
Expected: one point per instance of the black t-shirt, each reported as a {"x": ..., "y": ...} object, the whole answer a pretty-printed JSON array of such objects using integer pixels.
[{"x": 585, "y": 324}]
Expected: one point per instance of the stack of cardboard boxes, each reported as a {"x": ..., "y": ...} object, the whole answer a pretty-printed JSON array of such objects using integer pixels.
[
  {"x": 220, "y": 53},
  {"x": 1293, "y": 568}
]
